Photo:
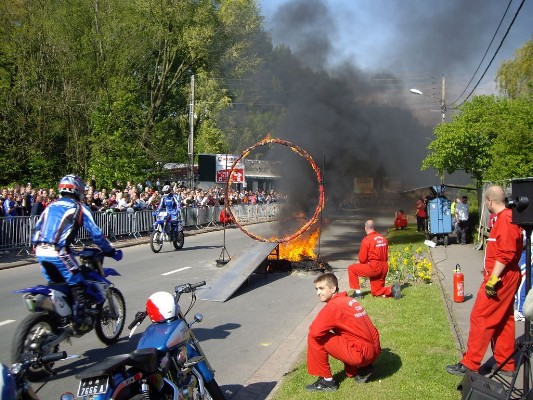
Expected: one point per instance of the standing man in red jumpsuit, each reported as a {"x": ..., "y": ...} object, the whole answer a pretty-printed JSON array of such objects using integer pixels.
[
  {"x": 421, "y": 215},
  {"x": 492, "y": 319},
  {"x": 343, "y": 330},
  {"x": 373, "y": 257}
]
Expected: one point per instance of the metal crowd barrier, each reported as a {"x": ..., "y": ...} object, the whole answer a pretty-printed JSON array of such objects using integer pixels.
[{"x": 16, "y": 232}]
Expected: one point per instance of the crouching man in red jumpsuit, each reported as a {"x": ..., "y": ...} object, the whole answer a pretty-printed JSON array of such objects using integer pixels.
[
  {"x": 343, "y": 330},
  {"x": 373, "y": 257},
  {"x": 400, "y": 220},
  {"x": 492, "y": 317}
]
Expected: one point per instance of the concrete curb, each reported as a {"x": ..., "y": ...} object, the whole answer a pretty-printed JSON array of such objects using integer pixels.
[{"x": 454, "y": 325}]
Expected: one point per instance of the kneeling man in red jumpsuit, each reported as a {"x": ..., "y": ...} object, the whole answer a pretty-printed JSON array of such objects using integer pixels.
[
  {"x": 400, "y": 220},
  {"x": 343, "y": 330},
  {"x": 373, "y": 257},
  {"x": 492, "y": 317}
]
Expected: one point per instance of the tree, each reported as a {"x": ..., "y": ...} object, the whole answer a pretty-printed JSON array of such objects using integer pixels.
[
  {"x": 513, "y": 146},
  {"x": 102, "y": 87},
  {"x": 491, "y": 139},
  {"x": 515, "y": 77},
  {"x": 465, "y": 143}
]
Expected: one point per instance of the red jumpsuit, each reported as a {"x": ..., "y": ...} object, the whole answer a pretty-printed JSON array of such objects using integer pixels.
[
  {"x": 373, "y": 256},
  {"x": 343, "y": 330},
  {"x": 225, "y": 219},
  {"x": 400, "y": 221},
  {"x": 492, "y": 319}
]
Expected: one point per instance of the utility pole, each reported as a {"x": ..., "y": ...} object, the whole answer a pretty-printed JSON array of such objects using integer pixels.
[
  {"x": 190, "y": 143},
  {"x": 443, "y": 99}
]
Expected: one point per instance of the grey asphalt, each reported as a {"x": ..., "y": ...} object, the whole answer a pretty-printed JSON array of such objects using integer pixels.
[{"x": 283, "y": 360}]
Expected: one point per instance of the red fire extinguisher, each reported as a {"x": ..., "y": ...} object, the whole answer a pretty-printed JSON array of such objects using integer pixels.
[{"x": 458, "y": 285}]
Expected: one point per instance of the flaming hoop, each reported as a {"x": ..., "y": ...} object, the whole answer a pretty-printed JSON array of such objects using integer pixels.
[{"x": 302, "y": 153}]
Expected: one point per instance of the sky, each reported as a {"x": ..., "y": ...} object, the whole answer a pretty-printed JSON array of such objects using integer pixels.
[{"x": 418, "y": 41}]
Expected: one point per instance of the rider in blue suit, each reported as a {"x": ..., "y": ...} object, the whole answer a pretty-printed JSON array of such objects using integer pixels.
[
  {"x": 170, "y": 202},
  {"x": 55, "y": 232}
]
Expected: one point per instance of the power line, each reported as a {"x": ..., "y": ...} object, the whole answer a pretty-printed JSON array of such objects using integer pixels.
[
  {"x": 494, "y": 56},
  {"x": 486, "y": 51}
]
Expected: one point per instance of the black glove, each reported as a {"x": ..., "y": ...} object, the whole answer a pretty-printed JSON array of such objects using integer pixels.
[
  {"x": 114, "y": 254},
  {"x": 110, "y": 253}
]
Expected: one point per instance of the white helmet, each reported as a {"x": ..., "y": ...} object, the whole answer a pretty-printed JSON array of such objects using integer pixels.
[
  {"x": 166, "y": 189},
  {"x": 73, "y": 185},
  {"x": 161, "y": 306}
]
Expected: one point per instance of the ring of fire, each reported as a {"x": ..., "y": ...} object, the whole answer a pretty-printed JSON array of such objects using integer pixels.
[{"x": 303, "y": 154}]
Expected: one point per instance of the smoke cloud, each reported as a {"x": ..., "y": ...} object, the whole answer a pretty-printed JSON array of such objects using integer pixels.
[{"x": 354, "y": 112}]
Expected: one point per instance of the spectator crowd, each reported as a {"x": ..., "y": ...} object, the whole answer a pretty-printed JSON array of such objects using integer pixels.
[{"x": 25, "y": 200}]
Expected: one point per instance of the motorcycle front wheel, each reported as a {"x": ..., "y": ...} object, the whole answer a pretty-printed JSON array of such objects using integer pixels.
[
  {"x": 180, "y": 239},
  {"x": 110, "y": 322},
  {"x": 156, "y": 241},
  {"x": 34, "y": 331}
]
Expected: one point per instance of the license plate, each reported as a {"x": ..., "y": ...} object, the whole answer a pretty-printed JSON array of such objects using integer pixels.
[{"x": 93, "y": 386}]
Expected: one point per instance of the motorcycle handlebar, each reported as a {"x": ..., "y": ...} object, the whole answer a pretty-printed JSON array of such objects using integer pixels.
[
  {"x": 188, "y": 287},
  {"x": 28, "y": 359},
  {"x": 139, "y": 317},
  {"x": 54, "y": 357}
]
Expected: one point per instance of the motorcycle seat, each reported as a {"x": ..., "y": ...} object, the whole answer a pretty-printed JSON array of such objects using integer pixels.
[{"x": 143, "y": 359}]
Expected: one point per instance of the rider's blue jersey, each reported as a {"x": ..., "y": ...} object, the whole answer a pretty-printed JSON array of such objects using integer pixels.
[
  {"x": 60, "y": 221},
  {"x": 171, "y": 203}
]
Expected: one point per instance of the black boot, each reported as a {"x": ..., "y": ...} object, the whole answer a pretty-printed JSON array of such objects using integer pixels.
[{"x": 78, "y": 308}]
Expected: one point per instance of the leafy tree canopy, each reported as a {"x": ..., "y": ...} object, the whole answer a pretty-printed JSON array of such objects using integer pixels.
[{"x": 515, "y": 77}]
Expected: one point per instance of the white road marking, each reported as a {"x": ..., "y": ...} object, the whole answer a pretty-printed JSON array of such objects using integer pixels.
[
  {"x": 176, "y": 270},
  {"x": 7, "y": 321}
]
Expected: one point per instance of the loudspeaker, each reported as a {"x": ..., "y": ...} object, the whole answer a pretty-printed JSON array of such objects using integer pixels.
[
  {"x": 522, "y": 190},
  {"x": 479, "y": 387}
]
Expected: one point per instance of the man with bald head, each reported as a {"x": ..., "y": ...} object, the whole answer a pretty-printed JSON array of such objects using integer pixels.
[
  {"x": 492, "y": 319},
  {"x": 373, "y": 257}
]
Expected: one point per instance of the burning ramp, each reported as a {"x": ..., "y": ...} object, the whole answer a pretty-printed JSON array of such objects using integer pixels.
[{"x": 237, "y": 271}]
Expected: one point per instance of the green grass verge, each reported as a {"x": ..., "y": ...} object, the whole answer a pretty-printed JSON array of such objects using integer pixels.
[{"x": 417, "y": 344}]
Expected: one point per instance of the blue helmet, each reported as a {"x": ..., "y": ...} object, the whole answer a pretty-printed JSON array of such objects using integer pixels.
[{"x": 72, "y": 184}]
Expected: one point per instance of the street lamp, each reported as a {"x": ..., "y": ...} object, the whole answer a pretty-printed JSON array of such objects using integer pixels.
[{"x": 442, "y": 99}]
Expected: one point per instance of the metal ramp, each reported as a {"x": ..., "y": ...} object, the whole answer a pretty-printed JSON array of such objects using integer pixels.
[{"x": 236, "y": 271}]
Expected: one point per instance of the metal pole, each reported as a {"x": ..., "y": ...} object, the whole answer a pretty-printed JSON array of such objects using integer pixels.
[
  {"x": 443, "y": 99},
  {"x": 190, "y": 144}
]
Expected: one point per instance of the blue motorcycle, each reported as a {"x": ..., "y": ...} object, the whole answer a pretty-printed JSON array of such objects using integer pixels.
[
  {"x": 166, "y": 231},
  {"x": 167, "y": 364},
  {"x": 14, "y": 384},
  {"x": 50, "y": 320}
]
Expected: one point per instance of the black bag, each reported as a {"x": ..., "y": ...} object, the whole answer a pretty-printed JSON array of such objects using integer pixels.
[{"x": 479, "y": 387}]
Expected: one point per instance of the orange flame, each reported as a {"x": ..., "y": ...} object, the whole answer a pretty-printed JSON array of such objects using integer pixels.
[{"x": 300, "y": 248}]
